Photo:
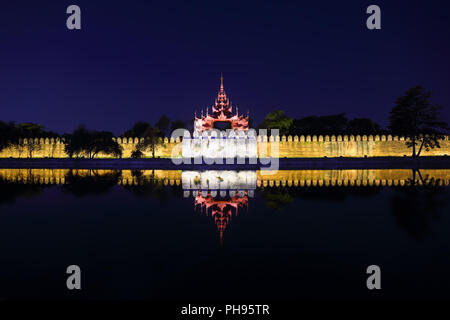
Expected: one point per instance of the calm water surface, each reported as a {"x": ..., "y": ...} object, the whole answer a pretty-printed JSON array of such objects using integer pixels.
[{"x": 224, "y": 234}]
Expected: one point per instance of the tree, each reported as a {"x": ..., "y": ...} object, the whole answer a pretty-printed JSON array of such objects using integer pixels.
[
  {"x": 9, "y": 192},
  {"x": 32, "y": 145},
  {"x": 137, "y": 130},
  {"x": 316, "y": 125},
  {"x": 20, "y": 146},
  {"x": 152, "y": 138},
  {"x": 414, "y": 117},
  {"x": 91, "y": 183},
  {"x": 148, "y": 185},
  {"x": 91, "y": 143},
  {"x": 32, "y": 131},
  {"x": 137, "y": 154},
  {"x": 8, "y": 135},
  {"x": 12, "y": 135},
  {"x": 418, "y": 203},
  {"x": 363, "y": 126},
  {"x": 163, "y": 125},
  {"x": 177, "y": 124},
  {"x": 277, "y": 120}
]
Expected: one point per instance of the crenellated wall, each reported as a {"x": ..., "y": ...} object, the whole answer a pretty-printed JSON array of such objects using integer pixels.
[
  {"x": 289, "y": 147},
  {"x": 345, "y": 146},
  {"x": 54, "y": 148}
]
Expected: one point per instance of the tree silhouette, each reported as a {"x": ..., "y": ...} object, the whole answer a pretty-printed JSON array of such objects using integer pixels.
[
  {"x": 331, "y": 124},
  {"x": 33, "y": 145},
  {"x": 150, "y": 186},
  {"x": 12, "y": 135},
  {"x": 363, "y": 126},
  {"x": 137, "y": 154},
  {"x": 10, "y": 191},
  {"x": 418, "y": 120},
  {"x": 177, "y": 124},
  {"x": 277, "y": 120},
  {"x": 91, "y": 143},
  {"x": 163, "y": 125},
  {"x": 91, "y": 183},
  {"x": 8, "y": 135},
  {"x": 137, "y": 130},
  {"x": 152, "y": 138},
  {"x": 416, "y": 205}
]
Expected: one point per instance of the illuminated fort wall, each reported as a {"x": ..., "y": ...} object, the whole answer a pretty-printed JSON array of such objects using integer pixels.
[
  {"x": 346, "y": 146},
  {"x": 54, "y": 148},
  {"x": 290, "y": 147}
]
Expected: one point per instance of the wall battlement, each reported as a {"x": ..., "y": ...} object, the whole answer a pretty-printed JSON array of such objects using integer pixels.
[{"x": 289, "y": 147}]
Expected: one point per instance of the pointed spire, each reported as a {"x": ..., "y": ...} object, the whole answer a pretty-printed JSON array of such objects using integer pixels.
[{"x": 221, "y": 82}]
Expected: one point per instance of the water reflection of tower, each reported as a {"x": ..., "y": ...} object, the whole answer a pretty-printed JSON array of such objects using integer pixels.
[
  {"x": 220, "y": 193},
  {"x": 221, "y": 210}
]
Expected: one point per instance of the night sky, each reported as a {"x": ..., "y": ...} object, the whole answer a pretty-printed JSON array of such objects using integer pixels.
[{"x": 137, "y": 60}]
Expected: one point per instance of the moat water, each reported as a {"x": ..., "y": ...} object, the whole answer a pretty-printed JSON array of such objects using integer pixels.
[{"x": 224, "y": 235}]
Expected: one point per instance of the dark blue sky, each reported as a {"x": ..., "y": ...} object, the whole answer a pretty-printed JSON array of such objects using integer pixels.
[{"x": 136, "y": 60}]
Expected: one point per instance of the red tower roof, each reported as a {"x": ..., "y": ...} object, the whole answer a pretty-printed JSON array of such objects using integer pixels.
[{"x": 221, "y": 112}]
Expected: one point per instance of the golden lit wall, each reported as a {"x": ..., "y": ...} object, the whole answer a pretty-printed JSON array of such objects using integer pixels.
[
  {"x": 344, "y": 146},
  {"x": 54, "y": 148},
  {"x": 289, "y": 147}
]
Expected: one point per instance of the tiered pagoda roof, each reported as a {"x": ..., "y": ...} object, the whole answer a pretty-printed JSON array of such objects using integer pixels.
[{"x": 221, "y": 111}]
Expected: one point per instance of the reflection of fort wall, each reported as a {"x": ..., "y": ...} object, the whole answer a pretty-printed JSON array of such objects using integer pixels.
[
  {"x": 57, "y": 176},
  {"x": 357, "y": 177},
  {"x": 288, "y": 146},
  {"x": 219, "y": 180},
  {"x": 39, "y": 176},
  {"x": 166, "y": 177}
]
